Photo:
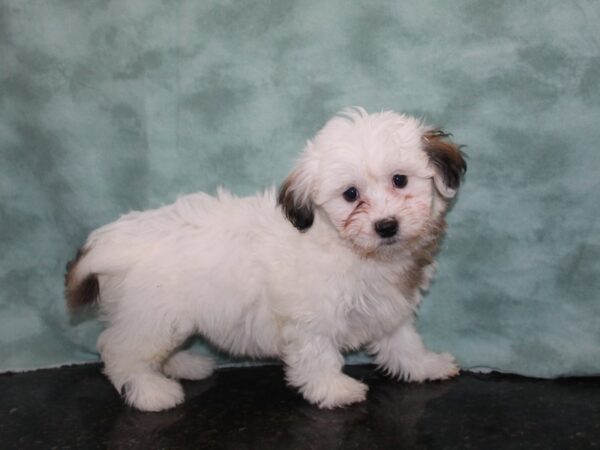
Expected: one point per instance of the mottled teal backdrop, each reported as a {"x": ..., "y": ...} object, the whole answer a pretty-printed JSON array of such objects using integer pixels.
[{"x": 108, "y": 106}]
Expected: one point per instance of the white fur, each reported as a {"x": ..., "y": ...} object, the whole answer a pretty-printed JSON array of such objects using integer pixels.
[{"x": 236, "y": 271}]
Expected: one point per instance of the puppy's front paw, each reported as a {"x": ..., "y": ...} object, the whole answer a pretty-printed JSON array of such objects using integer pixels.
[
  {"x": 432, "y": 366},
  {"x": 340, "y": 390}
]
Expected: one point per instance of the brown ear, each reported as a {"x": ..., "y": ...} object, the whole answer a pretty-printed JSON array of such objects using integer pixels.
[
  {"x": 299, "y": 212},
  {"x": 447, "y": 161}
]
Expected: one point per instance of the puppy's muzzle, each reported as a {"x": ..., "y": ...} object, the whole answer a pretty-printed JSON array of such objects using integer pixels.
[{"x": 386, "y": 228}]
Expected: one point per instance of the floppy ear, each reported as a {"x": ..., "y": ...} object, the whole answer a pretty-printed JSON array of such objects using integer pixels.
[
  {"x": 295, "y": 194},
  {"x": 447, "y": 161}
]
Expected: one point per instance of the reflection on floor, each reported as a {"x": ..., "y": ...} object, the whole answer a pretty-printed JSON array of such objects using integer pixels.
[{"x": 75, "y": 407}]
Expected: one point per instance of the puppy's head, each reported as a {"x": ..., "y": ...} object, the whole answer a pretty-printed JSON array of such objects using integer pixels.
[{"x": 382, "y": 180}]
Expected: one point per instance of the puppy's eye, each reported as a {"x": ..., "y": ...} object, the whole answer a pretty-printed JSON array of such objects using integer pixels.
[
  {"x": 400, "y": 181},
  {"x": 350, "y": 194}
]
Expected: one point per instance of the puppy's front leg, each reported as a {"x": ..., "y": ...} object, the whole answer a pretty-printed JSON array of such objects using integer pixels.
[
  {"x": 314, "y": 366},
  {"x": 403, "y": 355}
]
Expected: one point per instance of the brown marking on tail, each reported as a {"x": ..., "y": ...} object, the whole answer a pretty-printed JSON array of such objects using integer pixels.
[{"x": 84, "y": 293}]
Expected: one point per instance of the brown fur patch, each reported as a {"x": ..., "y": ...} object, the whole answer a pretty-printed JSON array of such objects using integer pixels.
[
  {"x": 446, "y": 157},
  {"x": 84, "y": 293},
  {"x": 301, "y": 216},
  {"x": 423, "y": 256}
]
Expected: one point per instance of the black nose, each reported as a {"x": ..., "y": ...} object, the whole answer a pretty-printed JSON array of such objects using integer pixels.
[{"x": 386, "y": 227}]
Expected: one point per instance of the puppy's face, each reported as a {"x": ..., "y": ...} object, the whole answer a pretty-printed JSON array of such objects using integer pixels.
[{"x": 379, "y": 179}]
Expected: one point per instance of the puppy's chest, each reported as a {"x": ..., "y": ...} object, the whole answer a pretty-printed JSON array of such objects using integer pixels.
[{"x": 369, "y": 312}]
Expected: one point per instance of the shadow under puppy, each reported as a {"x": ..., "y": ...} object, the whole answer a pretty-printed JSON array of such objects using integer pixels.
[{"x": 367, "y": 201}]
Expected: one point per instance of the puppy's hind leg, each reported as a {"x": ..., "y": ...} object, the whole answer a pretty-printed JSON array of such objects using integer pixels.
[
  {"x": 187, "y": 365},
  {"x": 133, "y": 359}
]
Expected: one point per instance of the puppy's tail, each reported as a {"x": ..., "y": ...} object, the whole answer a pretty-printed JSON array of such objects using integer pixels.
[{"x": 81, "y": 284}]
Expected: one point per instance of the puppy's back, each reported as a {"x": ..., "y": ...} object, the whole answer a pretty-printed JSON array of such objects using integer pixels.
[{"x": 116, "y": 248}]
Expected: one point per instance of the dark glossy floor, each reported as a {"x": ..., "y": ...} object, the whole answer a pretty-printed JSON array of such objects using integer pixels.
[{"x": 76, "y": 408}]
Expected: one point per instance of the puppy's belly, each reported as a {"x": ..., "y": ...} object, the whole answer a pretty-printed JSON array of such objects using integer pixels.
[
  {"x": 250, "y": 331},
  {"x": 214, "y": 288}
]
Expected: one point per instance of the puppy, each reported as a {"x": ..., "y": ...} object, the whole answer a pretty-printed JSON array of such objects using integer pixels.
[{"x": 336, "y": 261}]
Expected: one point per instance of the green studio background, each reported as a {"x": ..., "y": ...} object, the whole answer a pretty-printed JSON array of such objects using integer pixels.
[{"x": 108, "y": 106}]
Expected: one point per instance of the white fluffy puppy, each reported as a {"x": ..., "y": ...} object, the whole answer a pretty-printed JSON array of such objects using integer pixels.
[{"x": 335, "y": 262}]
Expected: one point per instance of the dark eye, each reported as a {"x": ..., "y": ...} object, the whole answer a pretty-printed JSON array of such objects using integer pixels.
[
  {"x": 350, "y": 194},
  {"x": 400, "y": 181}
]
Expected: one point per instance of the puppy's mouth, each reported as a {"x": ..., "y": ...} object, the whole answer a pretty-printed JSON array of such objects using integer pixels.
[{"x": 386, "y": 242}]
